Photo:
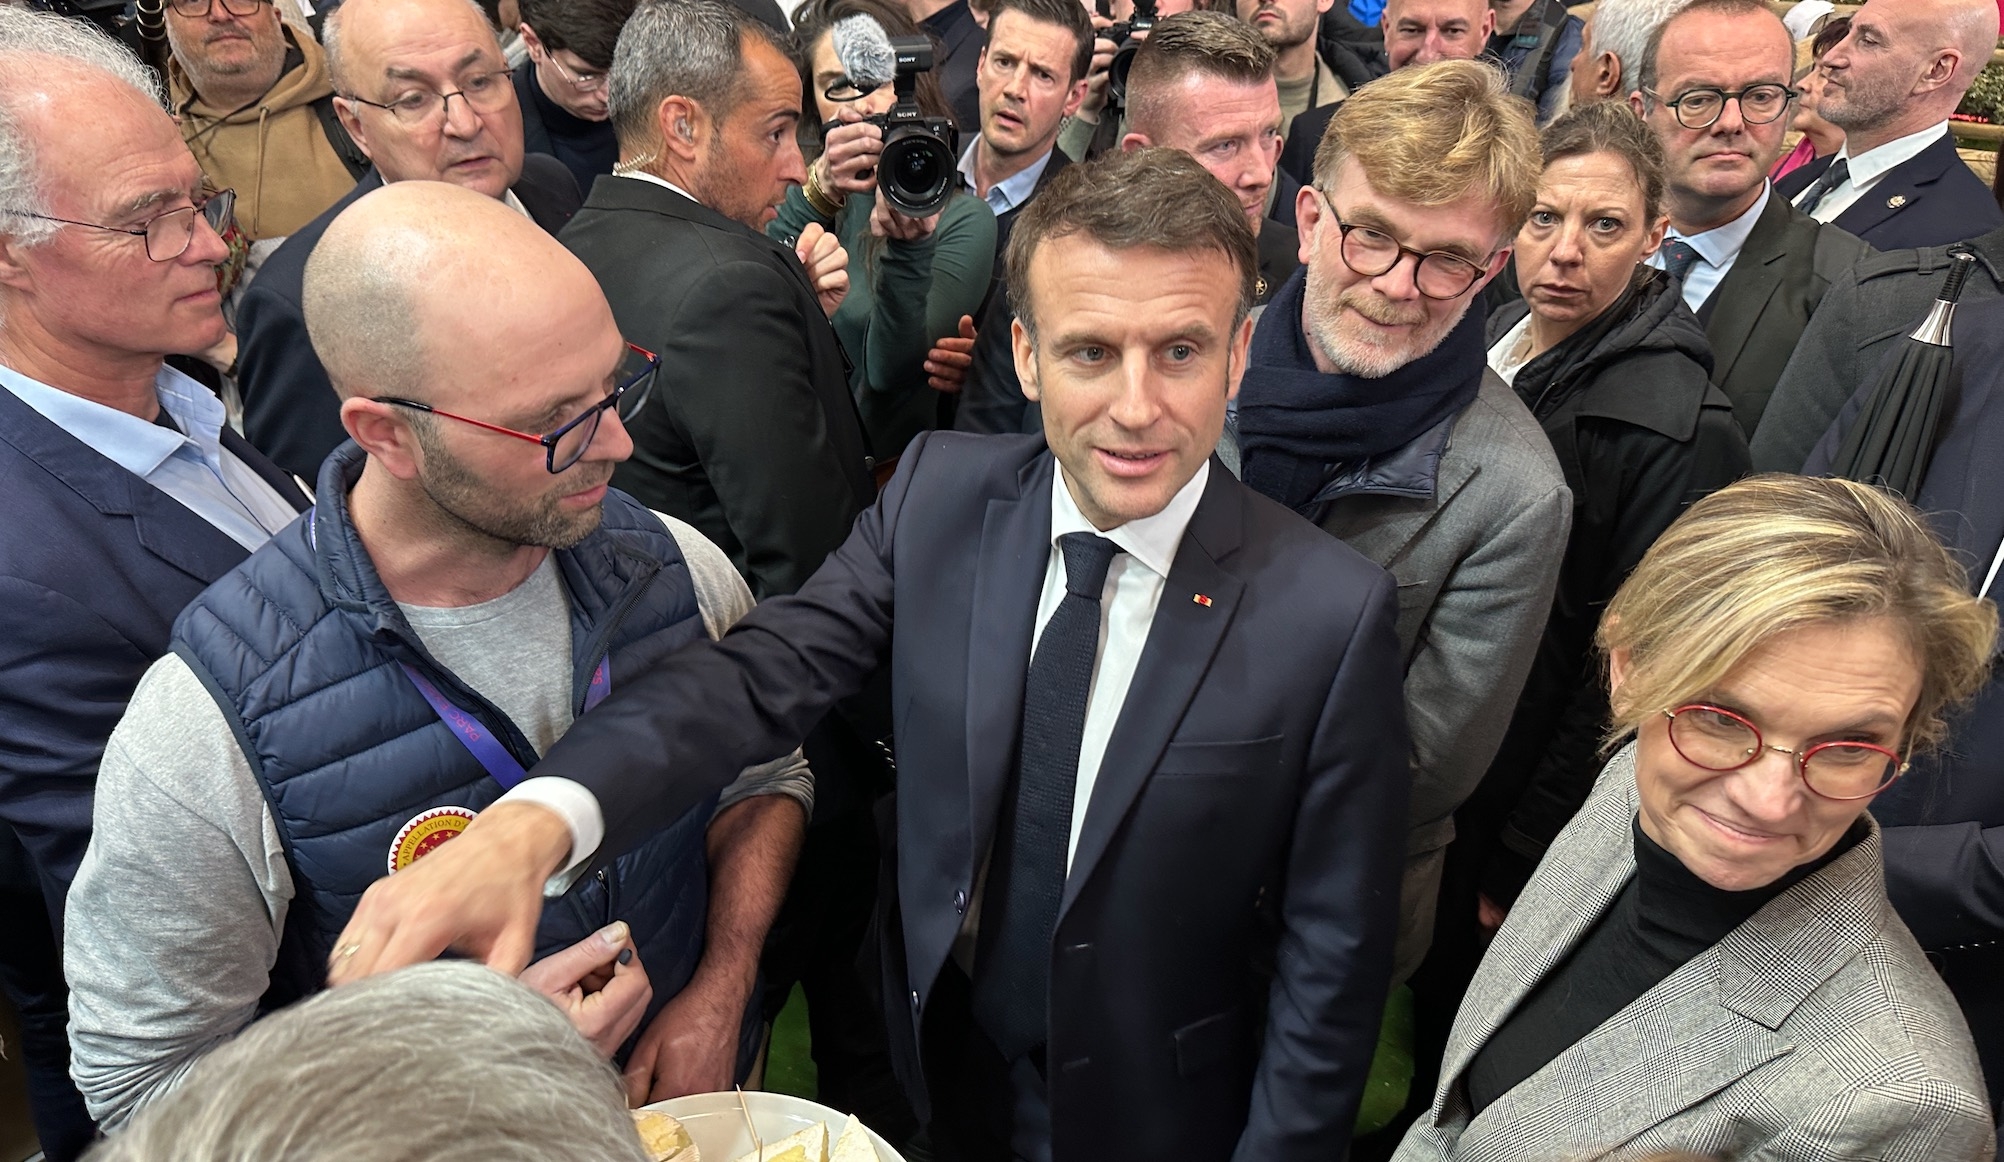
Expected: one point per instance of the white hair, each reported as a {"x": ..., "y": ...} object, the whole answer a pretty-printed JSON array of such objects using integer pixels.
[
  {"x": 1623, "y": 27},
  {"x": 442, "y": 1062},
  {"x": 28, "y": 41}
]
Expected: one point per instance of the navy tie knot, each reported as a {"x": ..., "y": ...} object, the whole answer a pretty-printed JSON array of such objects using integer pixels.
[
  {"x": 1087, "y": 559},
  {"x": 1678, "y": 258},
  {"x": 1836, "y": 175}
]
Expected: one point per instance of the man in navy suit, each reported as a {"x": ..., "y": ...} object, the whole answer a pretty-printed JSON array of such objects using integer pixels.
[
  {"x": 1151, "y": 751},
  {"x": 124, "y": 492},
  {"x": 1890, "y": 85}
]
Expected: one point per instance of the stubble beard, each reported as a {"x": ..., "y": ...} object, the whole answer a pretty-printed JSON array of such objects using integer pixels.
[
  {"x": 1360, "y": 353},
  {"x": 467, "y": 504}
]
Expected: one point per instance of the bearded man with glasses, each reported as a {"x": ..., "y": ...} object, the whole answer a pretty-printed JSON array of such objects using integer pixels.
[
  {"x": 1368, "y": 408},
  {"x": 423, "y": 89},
  {"x": 347, "y": 699},
  {"x": 124, "y": 490}
]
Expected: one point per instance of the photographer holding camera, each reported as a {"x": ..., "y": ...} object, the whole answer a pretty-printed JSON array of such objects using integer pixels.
[{"x": 920, "y": 254}]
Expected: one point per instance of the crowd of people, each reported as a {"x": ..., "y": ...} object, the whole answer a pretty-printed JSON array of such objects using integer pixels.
[{"x": 1117, "y": 552}]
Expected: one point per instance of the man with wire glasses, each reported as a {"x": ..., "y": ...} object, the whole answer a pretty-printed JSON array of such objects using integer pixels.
[
  {"x": 561, "y": 87},
  {"x": 124, "y": 492},
  {"x": 1714, "y": 87},
  {"x": 422, "y": 87},
  {"x": 352, "y": 695}
]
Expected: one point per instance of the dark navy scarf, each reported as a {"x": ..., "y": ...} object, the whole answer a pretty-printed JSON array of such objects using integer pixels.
[{"x": 1298, "y": 424}]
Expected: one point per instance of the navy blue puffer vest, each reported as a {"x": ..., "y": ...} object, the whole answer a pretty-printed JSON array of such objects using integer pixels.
[{"x": 300, "y": 645}]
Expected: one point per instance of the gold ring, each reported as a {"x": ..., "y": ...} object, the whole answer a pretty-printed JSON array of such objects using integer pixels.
[{"x": 346, "y": 951}]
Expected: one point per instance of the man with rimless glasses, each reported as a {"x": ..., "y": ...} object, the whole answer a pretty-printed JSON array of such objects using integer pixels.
[
  {"x": 123, "y": 490},
  {"x": 347, "y": 699},
  {"x": 561, "y": 88},
  {"x": 423, "y": 89},
  {"x": 1368, "y": 408}
]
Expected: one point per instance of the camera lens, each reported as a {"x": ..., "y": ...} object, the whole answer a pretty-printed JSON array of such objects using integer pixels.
[{"x": 916, "y": 172}]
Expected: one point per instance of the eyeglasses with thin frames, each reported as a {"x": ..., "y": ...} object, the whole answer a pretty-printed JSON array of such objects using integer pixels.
[
  {"x": 1702, "y": 108},
  {"x": 167, "y": 235},
  {"x": 1437, "y": 274},
  {"x": 582, "y": 82},
  {"x": 1718, "y": 739},
  {"x": 567, "y": 445},
  {"x": 197, "y": 9},
  {"x": 482, "y": 92}
]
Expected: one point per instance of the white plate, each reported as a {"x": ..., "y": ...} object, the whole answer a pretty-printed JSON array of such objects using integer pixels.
[{"x": 717, "y": 1126}]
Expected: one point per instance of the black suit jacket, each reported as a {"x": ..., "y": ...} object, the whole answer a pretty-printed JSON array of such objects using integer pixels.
[
  {"x": 1006, "y": 220},
  {"x": 1223, "y": 946},
  {"x": 752, "y": 435},
  {"x": 1932, "y": 199},
  {"x": 1304, "y": 136},
  {"x": 1757, "y": 313},
  {"x": 992, "y": 402},
  {"x": 95, "y": 564},
  {"x": 1944, "y": 821},
  {"x": 961, "y": 39},
  {"x": 290, "y": 410}
]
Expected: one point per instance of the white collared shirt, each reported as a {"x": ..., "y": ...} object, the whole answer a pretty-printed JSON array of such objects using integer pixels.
[
  {"x": 190, "y": 465},
  {"x": 1717, "y": 248},
  {"x": 1868, "y": 168},
  {"x": 644, "y": 176},
  {"x": 1011, "y": 191}
]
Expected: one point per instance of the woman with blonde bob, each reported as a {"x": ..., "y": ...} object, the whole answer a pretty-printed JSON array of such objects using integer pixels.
[{"x": 1706, "y": 959}]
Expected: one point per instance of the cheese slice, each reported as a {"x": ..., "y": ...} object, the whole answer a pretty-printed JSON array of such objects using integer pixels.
[
  {"x": 663, "y": 1137},
  {"x": 811, "y": 1145},
  {"x": 854, "y": 1145}
]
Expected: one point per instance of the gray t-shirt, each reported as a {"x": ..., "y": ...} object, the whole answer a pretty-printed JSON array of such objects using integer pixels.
[{"x": 174, "y": 920}]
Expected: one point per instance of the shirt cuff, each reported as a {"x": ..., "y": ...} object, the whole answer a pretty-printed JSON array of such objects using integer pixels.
[{"x": 579, "y": 810}]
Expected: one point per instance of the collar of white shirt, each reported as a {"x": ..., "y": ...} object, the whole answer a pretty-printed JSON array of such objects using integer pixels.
[
  {"x": 643, "y": 176},
  {"x": 1152, "y": 540},
  {"x": 1868, "y": 167},
  {"x": 1721, "y": 244},
  {"x": 514, "y": 203},
  {"x": 1011, "y": 191},
  {"x": 136, "y": 445}
]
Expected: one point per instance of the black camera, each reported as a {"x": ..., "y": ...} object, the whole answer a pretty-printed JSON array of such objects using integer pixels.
[
  {"x": 920, "y": 165},
  {"x": 1124, "y": 35}
]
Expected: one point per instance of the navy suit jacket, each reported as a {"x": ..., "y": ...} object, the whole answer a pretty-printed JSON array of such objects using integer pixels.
[
  {"x": 1944, "y": 822},
  {"x": 1223, "y": 946},
  {"x": 1932, "y": 199},
  {"x": 94, "y": 565},
  {"x": 290, "y": 410}
]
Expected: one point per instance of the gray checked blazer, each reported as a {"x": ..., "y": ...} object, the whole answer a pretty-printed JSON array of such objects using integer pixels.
[{"x": 1815, "y": 1032}]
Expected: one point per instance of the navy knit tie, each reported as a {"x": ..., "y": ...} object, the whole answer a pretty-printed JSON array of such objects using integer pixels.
[
  {"x": 1832, "y": 178},
  {"x": 1026, "y": 874},
  {"x": 1678, "y": 258}
]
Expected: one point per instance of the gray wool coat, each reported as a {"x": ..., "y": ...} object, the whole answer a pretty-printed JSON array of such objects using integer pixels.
[{"x": 1815, "y": 1032}]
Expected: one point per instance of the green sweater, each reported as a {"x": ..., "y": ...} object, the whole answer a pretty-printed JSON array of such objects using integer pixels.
[{"x": 903, "y": 296}]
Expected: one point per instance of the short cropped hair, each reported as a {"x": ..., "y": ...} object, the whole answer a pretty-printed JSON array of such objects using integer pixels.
[
  {"x": 1623, "y": 27},
  {"x": 679, "y": 48},
  {"x": 1653, "y": 48},
  {"x": 1210, "y": 44},
  {"x": 589, "y": 28},
  {"x": 1155, "y": 197},
  {"x": 28, "y": 40},
  {"x": 442, "y": 1062},
  {"x": 1612, "y": 127},
  {"x": 1776, "y": 553},
  {"x": 1069, "y": 15},
  {"x": 1432, "y": 134}
]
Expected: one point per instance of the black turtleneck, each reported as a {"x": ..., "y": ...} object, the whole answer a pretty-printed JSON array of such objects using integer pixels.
[
  {"x": 588, "y": 148},
  {"x": 1663, "y": 918}
]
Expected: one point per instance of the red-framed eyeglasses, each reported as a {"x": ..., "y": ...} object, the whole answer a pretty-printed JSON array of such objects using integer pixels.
[
  {"x": 1718, "y": 739},
  {"x": 566, "y": 445}
]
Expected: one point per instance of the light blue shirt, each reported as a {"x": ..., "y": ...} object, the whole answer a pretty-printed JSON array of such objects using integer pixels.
[
  {"x": 1011, "y": 191},
  {"x": 193, "y": 468},
  {"x": 1718, "y": 248}
]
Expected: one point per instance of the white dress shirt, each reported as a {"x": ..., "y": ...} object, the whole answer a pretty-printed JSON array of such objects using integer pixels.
[
  {"x": 1717, "y": 248},
  {"x": 190, "y": 465},
  {"x": 1134, "y": 583},
  {"x": 1868, "y": 167},
  {"x": 1011, "y": 191}
]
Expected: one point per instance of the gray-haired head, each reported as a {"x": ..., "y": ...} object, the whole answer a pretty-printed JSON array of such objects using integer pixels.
[
  {"x": 1623, "y": 28},
  {"x": 678, "y": 48},
  {"x": 441, "y": 1062},
  {"x": 39, "y": 51},
  {"x": 330, "y": 43}
]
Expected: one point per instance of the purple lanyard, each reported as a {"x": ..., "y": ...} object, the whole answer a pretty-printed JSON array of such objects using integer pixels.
[{"x": 483, "y": 745}]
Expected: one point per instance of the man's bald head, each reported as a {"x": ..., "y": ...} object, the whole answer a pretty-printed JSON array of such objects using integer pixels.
[
  {"x": 1904, "y": 66},
  {"x": 418, "y": 287}
]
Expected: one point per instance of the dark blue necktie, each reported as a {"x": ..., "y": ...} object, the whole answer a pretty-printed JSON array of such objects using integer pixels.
[
  {"x": 1026, "y": 873},
  {"x": 1832, "y": 178},
  {"x": 1678, "y": 258}
]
